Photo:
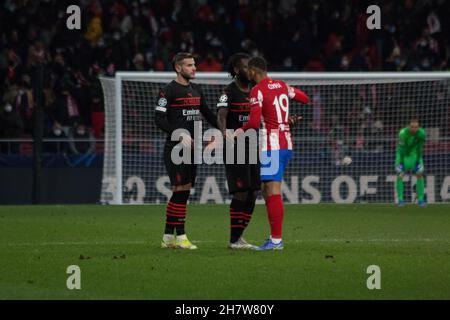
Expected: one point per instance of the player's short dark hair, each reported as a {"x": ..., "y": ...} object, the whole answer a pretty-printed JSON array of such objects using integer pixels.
[
  {"x": 258, "y": 62},
  {"x": 414, "y": 119},
  {"x": 235, "y": 61},
  {"x": 180, "y": 56}
]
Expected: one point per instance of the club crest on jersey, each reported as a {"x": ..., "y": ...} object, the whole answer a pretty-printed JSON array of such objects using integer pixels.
[
  {"x": 162, "y": 102},
  {"x": 223, "y": 98}
]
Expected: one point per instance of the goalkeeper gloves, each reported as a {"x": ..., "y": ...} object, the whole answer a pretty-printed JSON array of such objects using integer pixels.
[
  {"x": 399, "y": 169},
  {"x": 420, "y": 168}
]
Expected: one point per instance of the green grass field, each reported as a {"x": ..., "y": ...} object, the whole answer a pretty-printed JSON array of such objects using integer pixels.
[{"x": 327, "y": 251}]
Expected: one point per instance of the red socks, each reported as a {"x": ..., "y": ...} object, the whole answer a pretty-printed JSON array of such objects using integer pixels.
[{"x": 275, "y": 213}]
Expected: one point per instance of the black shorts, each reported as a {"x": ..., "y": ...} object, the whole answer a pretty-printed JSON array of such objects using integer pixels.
[
  {"x": 179, "y": 174},
  {"x": 243, "y": 177}
]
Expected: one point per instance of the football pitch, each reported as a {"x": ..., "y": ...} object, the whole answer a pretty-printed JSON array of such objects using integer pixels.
[{"x": 328, "y": 249}]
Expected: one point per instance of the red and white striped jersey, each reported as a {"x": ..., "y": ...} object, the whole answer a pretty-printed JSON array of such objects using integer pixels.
[{"x": 269, "y": 103}]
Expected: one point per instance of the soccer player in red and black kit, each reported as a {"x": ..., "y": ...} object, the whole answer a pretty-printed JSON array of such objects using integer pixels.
[
  {"x": 179, "y": 106},
  {"x": 269, "y": 104},
  {"x": 243, "y": 179}
]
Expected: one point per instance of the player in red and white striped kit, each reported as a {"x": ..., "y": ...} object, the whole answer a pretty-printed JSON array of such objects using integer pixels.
[{"x": 269, "y": 100}]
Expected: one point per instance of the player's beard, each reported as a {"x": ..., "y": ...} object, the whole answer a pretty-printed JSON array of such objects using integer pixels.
[
  {"x": 243, "y": 78},
  {"x": 186, "y": 76}
]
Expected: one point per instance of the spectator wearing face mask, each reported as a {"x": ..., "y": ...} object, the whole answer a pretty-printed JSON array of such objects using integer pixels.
[
  {"x": 59, "y": 144},
  {"x": 11, "y": 127},
  {"x": 139, "y": 63},
  {"x": 81, "y": 140},
  {"x": 24, "y": 102},
  {"x": 287, "y": 65}
]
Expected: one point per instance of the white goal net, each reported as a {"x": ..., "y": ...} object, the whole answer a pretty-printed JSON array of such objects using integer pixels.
[{"x": 351, "y": 116}]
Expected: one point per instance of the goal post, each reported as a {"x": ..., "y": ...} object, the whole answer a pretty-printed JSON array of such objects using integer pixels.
[{"x": 350, "y": 115}]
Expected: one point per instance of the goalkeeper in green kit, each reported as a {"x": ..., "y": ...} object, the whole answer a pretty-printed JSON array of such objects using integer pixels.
[{"x": 409, "y": 157}]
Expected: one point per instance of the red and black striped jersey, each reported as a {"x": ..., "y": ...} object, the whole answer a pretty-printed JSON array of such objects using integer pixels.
[
  {"x": 179, "y": 106},
  {"x": 238, "y": 104}
]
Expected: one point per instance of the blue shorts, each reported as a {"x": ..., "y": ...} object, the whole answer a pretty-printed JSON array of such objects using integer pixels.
[{"x": 273, "y": 164}]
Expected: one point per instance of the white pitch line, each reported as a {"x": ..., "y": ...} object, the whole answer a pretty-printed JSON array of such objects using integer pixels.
[
  {"x": 95, "y": 243},
  {"x": 70, "y": 243},
  {"x": 348, "y": 240}
]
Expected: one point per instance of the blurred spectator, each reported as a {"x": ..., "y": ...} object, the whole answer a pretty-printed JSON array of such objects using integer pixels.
[
  {"x": 186, "y": 43},
  {"x": 11, "y": 127},
  {"x": 97, "y": 111},
  {"x": 396, "y": 61},
  {"x": 287, "y": 65},
  {"x": 13, "y": 64},
  {"x": 24, "y": 102},
  {"x": 318, "y": 111},
  {"x": 314, "y": 65},
  {"x": 139, "y": 63},
  {"x": 60, "y": 144},
  {"x": 36, "y": 54},
  {"x": 81, "y": 140},
  {"x": 338, "y": 140},
  {"x": 65, "y": 109},
  {"x": 94, "y": 29},
  {"x": 210, "y": 64},
  {"x": 359, "y": 140}
]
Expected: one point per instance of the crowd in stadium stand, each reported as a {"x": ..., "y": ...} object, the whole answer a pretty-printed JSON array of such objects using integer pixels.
[{"x": 293, "y": 35}]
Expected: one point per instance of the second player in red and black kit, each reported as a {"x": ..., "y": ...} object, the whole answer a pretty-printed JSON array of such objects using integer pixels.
[
  {"x": 243, "y": 179},
  {"x": 180, "y": 104}
]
